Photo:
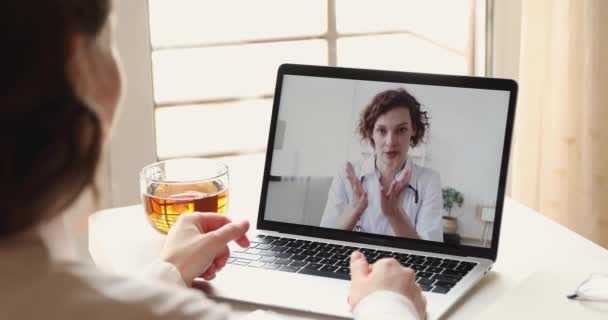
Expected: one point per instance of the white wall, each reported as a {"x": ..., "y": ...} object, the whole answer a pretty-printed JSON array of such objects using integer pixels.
[
  {"x": 464, "y": 143},
  {"x": 316, "y": 132},
  {"x": 506, "y": 34},
  {"x": 133, "y": 145},
  {"x": 297, "y": 200},
  {"x": 506, "y": 31}
]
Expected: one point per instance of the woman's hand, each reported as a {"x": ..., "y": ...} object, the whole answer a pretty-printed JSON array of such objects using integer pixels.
[
  {"x": 358, "y": 203},
  {"x": 391, "y": 199},
  {"x": 391, "y": 203},
  {"x": 385, "y": 274},
  {"x": 197, "y": 244}
]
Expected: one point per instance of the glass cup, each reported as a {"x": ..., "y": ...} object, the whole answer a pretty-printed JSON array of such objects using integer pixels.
[{"x": 177, "y": 186}]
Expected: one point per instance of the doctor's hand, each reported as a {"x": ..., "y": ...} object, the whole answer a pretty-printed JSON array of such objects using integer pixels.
[
  {"x": 197, "y": 244},
  {"x": 359, "y": 201},
  {"x": 385, "y": 274},
  {"x": 391, "y": 197}
]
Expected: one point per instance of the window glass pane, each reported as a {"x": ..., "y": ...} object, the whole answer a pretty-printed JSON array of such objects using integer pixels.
[
  {"x": 399, "y": 52},
  {"x": 213, "y": 129},
  {"x": 187, "y": 22},
  {"x": 246, "y": 172},
  {"x": 228, "y": 71},
  {"x": 444, "y": 21}
]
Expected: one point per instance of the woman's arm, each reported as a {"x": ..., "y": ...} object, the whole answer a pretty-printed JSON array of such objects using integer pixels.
[
  {"x": 386, "y": 305},
  {"x": 384, "y": 290},
  {"x": 341, "y": 214},
  {"x": 349, "y": 217},
  {"x": 402, "y": 225}
]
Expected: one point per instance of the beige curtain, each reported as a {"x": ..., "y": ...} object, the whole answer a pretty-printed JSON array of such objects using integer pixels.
[{"x": 560, "y": 148}]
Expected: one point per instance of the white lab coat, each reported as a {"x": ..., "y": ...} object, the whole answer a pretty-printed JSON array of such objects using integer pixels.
[{"x": 425, "y": 213}]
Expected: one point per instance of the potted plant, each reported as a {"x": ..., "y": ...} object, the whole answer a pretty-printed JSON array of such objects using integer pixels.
[{"x": 451, "y": 198}]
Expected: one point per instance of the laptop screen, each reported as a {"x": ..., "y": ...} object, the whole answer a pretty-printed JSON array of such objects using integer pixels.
[{"x": 398, "y": 159}]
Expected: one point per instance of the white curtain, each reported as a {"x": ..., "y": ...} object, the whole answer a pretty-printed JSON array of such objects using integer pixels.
[{"x": 560, "y": 148}]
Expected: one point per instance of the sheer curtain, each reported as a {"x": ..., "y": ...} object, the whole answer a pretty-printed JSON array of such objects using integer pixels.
[{"x": 560, "y": 148}]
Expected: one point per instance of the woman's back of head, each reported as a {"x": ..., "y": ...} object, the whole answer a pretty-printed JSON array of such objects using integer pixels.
[{"x": 51, "y": 141}]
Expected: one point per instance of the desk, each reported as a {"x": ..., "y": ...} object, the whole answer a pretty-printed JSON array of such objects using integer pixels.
[{"x": 121, "y": 241}]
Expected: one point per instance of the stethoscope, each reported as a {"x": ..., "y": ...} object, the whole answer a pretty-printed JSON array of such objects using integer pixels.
[{"x": 358, "y": 227}]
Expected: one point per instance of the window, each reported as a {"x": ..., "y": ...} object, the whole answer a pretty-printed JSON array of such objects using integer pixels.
[
  {"x": 214, "y": 62},
  {"x": 214, "y": 65}
]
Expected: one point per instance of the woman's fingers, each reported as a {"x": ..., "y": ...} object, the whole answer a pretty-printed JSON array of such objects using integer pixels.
[
  {"x": 399, "y": 184},
  {"x": 222, "y": 258},
  {"x": 359, "y": 268},
  {"x": 363, "y": 201},
  {"x": 209, "y": 274},
  {"x": 356, "y": 188},
  {"x": 229, "y": 232},
  {"x": 391, "y": 188},
  {"x": 399, "y": 187},
  {"x": 404, "y": 181},
  {"x": 350, "y": 170},
  {"x": 352, "y": 178},
  {"x": 408, "y": 176},
  {"x": 350, "y": 174}
]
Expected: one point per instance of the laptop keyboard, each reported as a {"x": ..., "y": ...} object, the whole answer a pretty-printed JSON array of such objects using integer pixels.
[{"x": 331, "y": 260}]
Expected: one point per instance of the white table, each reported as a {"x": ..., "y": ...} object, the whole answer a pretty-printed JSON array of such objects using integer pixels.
[{"x": 531, "y": 245}]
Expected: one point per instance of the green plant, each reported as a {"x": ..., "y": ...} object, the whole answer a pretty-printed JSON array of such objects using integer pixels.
[{"x": 451, "y": 197}]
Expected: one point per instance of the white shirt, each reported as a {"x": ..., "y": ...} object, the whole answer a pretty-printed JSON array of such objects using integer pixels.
[
  {"x": 34, "y": 285},
  {"x": 424, "y": 212}
]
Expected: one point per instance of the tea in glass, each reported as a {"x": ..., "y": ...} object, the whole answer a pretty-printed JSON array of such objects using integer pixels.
[{"x": 174, "y": 187}]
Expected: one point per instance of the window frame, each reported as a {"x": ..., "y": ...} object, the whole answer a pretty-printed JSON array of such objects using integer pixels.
[{"x": 134, "y": 137}]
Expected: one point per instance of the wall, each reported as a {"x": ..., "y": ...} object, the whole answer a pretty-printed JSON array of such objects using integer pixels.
[
  {"x": 316, "y": 134},
  {"x": 506, "y": 34},
  {"x": 464, "y": 143},
  {"x": 133, "y": 145}
]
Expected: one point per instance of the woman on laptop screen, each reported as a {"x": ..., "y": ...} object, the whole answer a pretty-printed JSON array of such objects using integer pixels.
[{"x": 387, "y": 193}]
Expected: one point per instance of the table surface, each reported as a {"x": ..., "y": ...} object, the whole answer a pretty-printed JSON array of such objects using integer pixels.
[{"x": 531, "y": 246}]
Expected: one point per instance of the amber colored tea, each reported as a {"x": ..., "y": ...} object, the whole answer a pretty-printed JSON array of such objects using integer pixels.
[{"x": 165, "y": 202}]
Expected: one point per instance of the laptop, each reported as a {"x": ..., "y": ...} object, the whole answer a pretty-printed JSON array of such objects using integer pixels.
[{"x": 299, "y": 257}]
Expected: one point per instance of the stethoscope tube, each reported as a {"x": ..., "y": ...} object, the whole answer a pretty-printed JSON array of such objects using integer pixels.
[{"x": 415, "y": 193}]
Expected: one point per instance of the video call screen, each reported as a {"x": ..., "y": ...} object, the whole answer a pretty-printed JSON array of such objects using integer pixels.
[{"x": 397, "y": 159}]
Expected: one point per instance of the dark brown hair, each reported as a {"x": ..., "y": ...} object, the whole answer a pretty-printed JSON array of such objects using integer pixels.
[
  {"x": 51, "y": 141},
  {"x": 386, "y": 101}
]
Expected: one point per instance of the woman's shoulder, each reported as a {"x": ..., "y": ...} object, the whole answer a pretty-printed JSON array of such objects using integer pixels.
[
  {"x": 92, "y": 294},
  {"x": 426, "y": 174},
  {"x": 148, "y": 296}
]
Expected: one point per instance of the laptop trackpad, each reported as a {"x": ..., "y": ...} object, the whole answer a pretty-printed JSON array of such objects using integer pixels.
[{"x": 280, "y": 289}]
